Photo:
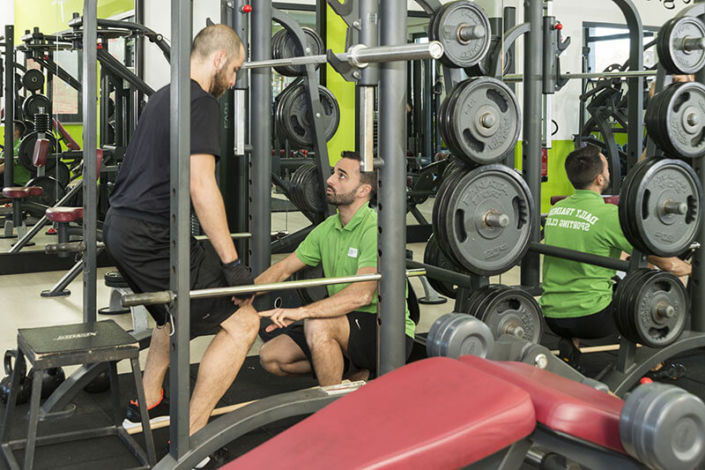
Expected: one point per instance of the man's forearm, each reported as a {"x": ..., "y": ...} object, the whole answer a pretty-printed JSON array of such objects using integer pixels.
[
  {"x": 208, "y": 203},
  {"x": 673, "y": 265},
  {"x": 348, "y": 300}
]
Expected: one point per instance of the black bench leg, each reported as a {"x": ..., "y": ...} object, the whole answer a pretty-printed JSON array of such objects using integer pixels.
[
  {"x": 115, "y": 393},
  {"x": 33, "y": 420},
  {"x": 12, "y": 399},
  {"x": 142, "y": 400}
]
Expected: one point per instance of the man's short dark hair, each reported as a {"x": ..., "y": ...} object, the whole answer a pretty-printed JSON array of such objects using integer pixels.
[
  {"x": 216, "y": 37},
  {"x": 583, "y": 165},
  {"x": 366, "y": 177}
]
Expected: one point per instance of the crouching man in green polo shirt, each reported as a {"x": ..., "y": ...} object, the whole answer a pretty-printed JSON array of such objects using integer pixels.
[
  {"x": 577, "y": 297},
  {"x": 343, "y": 325}
]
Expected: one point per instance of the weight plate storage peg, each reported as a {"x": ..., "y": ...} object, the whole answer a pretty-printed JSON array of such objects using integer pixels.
[
  {"x": 457, "y": 334},
  {"x": 481, "y": 120},
  {"x": 661, "y": 211},
  {"x": 486, "y": 219},
  {"x": 680, "y": 45},
  {"x": 676, "y": 120},
  {"x": 464, "y": 30}
]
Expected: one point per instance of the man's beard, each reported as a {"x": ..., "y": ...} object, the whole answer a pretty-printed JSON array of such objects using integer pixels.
[
  {"x": 344, "y": 199},
  {"x": 220, "y": 84}
]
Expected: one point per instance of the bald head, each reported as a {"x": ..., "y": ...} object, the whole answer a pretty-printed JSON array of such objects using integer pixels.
[{"x": 217, "y": 37}]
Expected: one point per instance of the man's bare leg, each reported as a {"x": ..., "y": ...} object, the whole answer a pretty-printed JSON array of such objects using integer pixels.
[
  {"x": 282, "y": 356},
  {"x": 157, "y": 364},
  {"x": 221, "y": 363},
  {"x": 327, "y": 338}
]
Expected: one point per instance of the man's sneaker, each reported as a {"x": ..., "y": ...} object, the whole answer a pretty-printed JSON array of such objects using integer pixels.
[
  {"x": 570, "y": 354},
  {"x": 157, "y": 412}
]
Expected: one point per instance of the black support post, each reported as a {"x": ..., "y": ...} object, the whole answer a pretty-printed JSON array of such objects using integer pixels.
[{"x": 9, "y": 104}]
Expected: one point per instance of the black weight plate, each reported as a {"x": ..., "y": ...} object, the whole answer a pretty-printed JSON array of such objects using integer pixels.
[
  {"x": 484, "y": 121},
  {"x": 625, "y": 299},
  {"x": 287, "y": 46},
  {"x": 627, "y": 209},
  {"x": 297, "y": 120},
  {"x": 513, "y": 307},
  {"x": 33, "y": 80},
  {"x": 653, "y": 327},
  {"x": 35, "y": 104},
  {"x": 485, "y": 193},
  {"x": 667, "y": 183},
  {"x": 447, "y": 27},
  {"x": 310, "y": 294},
  {"x": 440, "y": 206},
  {"x": 312, "y": 190},
  {"x": 669, "y": 45},
  {"x": 25, "y": 152},
  {"x": 477, "y": 297},
  {"x": 435, "y": 257}
]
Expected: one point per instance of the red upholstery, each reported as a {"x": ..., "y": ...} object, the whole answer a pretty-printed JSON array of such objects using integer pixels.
[
  {"x": 21, "y": 192},
  {"x": 562, "y": 404},
  {"x": 41, "y": 152},
  {"x": 99, "y": 160},
  {"x": 71, "y": 144},
  {"x": 432, "y": 414},
  {"x": 608, "y": 199},
  {"x": 64, "y": 214}
]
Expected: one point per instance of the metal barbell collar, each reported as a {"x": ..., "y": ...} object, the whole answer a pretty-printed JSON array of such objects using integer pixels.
[
  {"x": 361, "y": 55},
  {"x": 167, "y": 297},
  {"x": 495, "y": 219}
]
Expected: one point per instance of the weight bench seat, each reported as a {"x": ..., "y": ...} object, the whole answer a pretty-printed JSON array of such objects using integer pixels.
[
  {"x": 434, "y": 413},
  {"x": 21, "y": 192},
  {"x": 561, "y": 404},
  {"x": 64, "y": 214}
]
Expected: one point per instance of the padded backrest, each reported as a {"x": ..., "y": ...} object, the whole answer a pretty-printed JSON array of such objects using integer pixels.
[
  {"x": 71, "y": 144},
  {"x": 41, "y": 152}
]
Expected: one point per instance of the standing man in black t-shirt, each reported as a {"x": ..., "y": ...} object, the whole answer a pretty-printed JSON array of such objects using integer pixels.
[{"x": 136, "y": 231}]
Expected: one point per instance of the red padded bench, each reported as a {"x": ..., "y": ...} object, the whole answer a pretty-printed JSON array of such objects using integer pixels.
[
  {"x": 431, "y": 414},
  {"x": 561, "y": 404},
  {"x": 18, "y": 194},
  {"x": 63, "y": 216},
  {"x": 608, "y": 199},
  {"x": 71, "y": 144}
]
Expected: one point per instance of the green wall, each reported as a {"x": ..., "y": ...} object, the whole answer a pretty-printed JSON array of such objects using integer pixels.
[
  {"x": 557, "y": 182},
  {"x": 344, "y": 92}
]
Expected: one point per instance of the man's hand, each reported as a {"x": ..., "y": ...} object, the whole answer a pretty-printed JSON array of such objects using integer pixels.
[
  {"x": 282, "y": 317},
  {"x": 237, "y": 274}
]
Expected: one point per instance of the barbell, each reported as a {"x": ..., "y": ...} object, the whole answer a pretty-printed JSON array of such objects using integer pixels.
[{"x": 167, "y": 296}]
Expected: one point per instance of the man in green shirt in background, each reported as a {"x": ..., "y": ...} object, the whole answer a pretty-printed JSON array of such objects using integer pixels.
[
  {"x": 19, "y": 173},
  {"x": 577, "y": 297},
  {"x": 343, "y": 325}
]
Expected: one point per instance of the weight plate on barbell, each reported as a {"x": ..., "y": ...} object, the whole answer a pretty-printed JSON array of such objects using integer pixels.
[
  {"x": 487, "y": 219},
  {"x": 464, "y": 30},
  {"x": 666, "y": 202},
  {"x": 482, "y": 120},
  {"x": 672, "y": 53},
  {"x": 677, "y": 123},
  {"x": 33, "y": 80},
  {"x": 661, "y": 311},
  {"x": 514, "y": 312},
  {"x": 297, "y": 119}
]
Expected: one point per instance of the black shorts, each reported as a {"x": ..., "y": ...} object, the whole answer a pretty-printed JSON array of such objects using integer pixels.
[
  {"x": 362, "y": 342},
  {"x": 597, "y": 325},
  {"x": 141, "y": 252}
]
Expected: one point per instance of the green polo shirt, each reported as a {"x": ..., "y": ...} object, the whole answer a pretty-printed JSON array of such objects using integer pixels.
[
  {"x": 582, "y": 222},
  {"x": 20, "y": 174},
  {"x": 344, "y": 250}
]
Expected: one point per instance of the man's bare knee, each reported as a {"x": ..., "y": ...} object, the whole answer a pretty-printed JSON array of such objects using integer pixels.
[
  {"x": 319, "y": 331},
  {"x": 269, "y": 359},
  {"x": 244, "y": 322}
]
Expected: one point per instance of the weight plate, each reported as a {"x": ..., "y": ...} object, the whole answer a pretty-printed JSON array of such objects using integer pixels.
[
  {"x": 661, "y": 310},
  {"x": 439, "y": 208},
  {"x": 35, "y": 104},
  {"x": 483, "y": 122},
  {"x": 464, "y": 30},
  {"x": 514, "y": 312},
  {"x": 627, "y": 208},
  {"x": 310, "y": 294},
  {"x": 667, "y": 202},
  {"x": 488, "y": 219},
  {"x": 312, "y": 190},
  {"x": 679, "y": 125},
  {"x": 426, "y": 182},
  {"x": 672, "y": 53},
  {"x": 33, "y": 80},
  {"x": 623, "y": 302},
  {"x": 434, "y": 256},
  {"x": 286, "y": 46},
  {"x": 296, "y": 117}
]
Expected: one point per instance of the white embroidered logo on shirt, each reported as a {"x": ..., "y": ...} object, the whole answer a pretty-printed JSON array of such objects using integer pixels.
[{"x": 352, "y": 252}]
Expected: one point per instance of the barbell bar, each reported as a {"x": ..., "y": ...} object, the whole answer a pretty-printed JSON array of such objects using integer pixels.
[
  {"x": 360, "y": 55},
  {"x": 167, "y": 296}
]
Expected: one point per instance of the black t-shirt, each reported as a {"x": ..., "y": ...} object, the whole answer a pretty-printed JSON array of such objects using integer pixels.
[{"x": 142, "y": 186}]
